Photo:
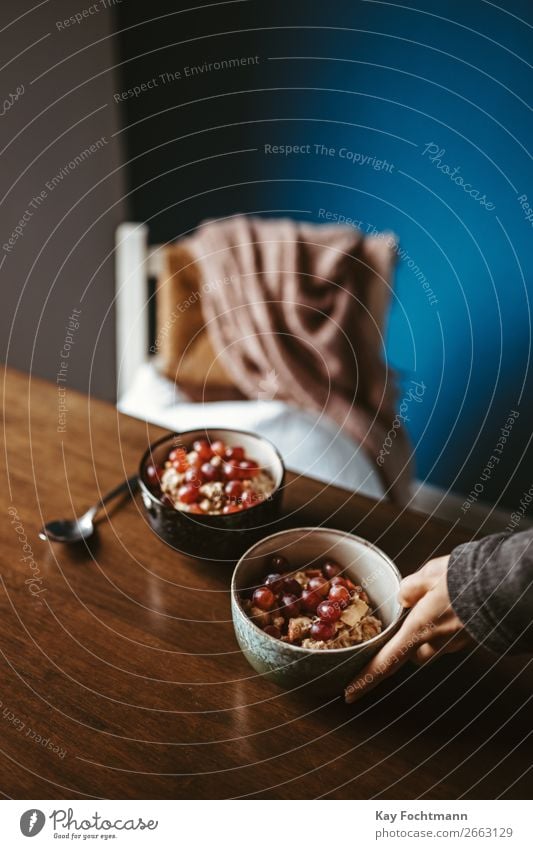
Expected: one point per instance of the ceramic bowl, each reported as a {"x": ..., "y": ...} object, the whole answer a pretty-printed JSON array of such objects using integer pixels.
[
  {"x": 214, "y": 537},
  {"x": 290, "y": 666}
]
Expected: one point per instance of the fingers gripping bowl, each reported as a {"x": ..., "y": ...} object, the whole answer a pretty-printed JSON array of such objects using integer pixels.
[
  {"x": 293, "y": 664},
  {"x": 239, "y": 490}
]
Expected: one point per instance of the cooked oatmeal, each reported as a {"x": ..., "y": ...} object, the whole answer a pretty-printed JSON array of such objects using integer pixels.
[
  {"x": 212, "y": 478},
  {"x": 312, "y": 608}
]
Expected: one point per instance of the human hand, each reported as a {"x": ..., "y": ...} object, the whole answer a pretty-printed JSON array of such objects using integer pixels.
[{"x": 430, "y": 629}]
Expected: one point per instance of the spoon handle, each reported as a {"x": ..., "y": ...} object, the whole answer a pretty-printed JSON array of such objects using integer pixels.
[{"x": 131, "y": 485}]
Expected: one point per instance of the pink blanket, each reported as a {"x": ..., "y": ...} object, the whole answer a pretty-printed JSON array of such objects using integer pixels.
[{"x": 295, "y": 311}]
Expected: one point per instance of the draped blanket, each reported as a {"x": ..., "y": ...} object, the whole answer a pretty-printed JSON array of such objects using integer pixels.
[{"x": 296, "y": 311}]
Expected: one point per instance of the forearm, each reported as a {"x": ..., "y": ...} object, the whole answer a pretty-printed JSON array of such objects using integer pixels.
[{"x": 490, "y": 584}]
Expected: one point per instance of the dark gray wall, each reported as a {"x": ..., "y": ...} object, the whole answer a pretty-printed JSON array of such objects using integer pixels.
[{"x": 63, "y": 240}]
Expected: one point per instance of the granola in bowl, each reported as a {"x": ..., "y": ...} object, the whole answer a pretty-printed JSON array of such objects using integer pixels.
[
  {"x": 211, "y": 478},
  {"x": 315, "y": 608}
]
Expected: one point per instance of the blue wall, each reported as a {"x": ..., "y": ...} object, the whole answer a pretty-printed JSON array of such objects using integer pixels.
[{"x": 386, "y": 81}]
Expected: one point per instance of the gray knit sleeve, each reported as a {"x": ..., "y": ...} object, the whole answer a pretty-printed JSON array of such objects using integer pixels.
[{"x": 490, "y": 583}]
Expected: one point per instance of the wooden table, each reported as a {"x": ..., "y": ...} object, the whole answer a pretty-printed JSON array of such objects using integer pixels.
[{"x": 121, "y": 677}]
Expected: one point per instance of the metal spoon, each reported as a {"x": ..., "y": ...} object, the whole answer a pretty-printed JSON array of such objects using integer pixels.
[{"x": 75, "y": 530}]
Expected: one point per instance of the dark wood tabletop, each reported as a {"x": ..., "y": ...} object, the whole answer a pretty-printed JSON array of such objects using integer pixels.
[{"x": 121, "y": 676}]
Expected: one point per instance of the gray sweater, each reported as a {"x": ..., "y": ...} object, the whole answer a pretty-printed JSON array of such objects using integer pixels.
[{"x": 490, "y": 583}]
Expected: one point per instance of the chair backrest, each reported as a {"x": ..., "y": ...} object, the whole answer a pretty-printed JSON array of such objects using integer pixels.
[{"x": 136, "y": 262}]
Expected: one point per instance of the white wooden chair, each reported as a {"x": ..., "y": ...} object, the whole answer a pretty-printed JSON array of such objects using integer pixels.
[{"x": 136, "y": 262}]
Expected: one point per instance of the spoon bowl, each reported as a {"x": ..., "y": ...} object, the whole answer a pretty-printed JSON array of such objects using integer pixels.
[
  {"x": 75, "y": 530},
  {"x": 68, "y": 530}
]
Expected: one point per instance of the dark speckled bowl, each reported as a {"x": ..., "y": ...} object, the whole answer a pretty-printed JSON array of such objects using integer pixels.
[
  {"x": 224, "y": 537},
  {"x": 293, "y": 666}
]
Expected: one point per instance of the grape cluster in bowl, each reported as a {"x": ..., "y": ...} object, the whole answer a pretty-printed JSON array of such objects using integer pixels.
[
  {"x": 211, "y": 478},
  {"x": 316, "y": 608}
]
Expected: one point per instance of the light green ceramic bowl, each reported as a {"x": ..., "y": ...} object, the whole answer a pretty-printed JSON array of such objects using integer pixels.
[{"x": 293, "y": 666}]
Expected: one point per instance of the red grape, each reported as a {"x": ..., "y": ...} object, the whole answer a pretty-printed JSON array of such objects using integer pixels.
[
  {"x": 323, "y": 630},
  {"x": 329, "y": 611},
  {"x": 178, "y": 458},
  {"x": 247, "y": 469},
  {"x": 340, "y": 594},
  {"x": 233, "y": 490},
  {"x": 188, "y": 493},
  {"x": 341, "y": 582},
  {"x": 264, "y": 598},
  {"x": 230, "y": 471},
  {"x": 320, "y": 584},
  {"x": 331, "y": 569},
  {"x": 274, "y": 581},
  {"x": 195, "y": 462},
  {"x": 290, "y": 605},
  {"x": 291, "y": 586},
  {"x": 193, "y": 476},
  {"x": 310, "y": 600},
  {"x": 209, "y": 473},
  {"x": 203, "y": 449},
  {"x": 272, "y": 631},
  {"x": 218, "y": 448},
  {"x": 234, "y": 452}
]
